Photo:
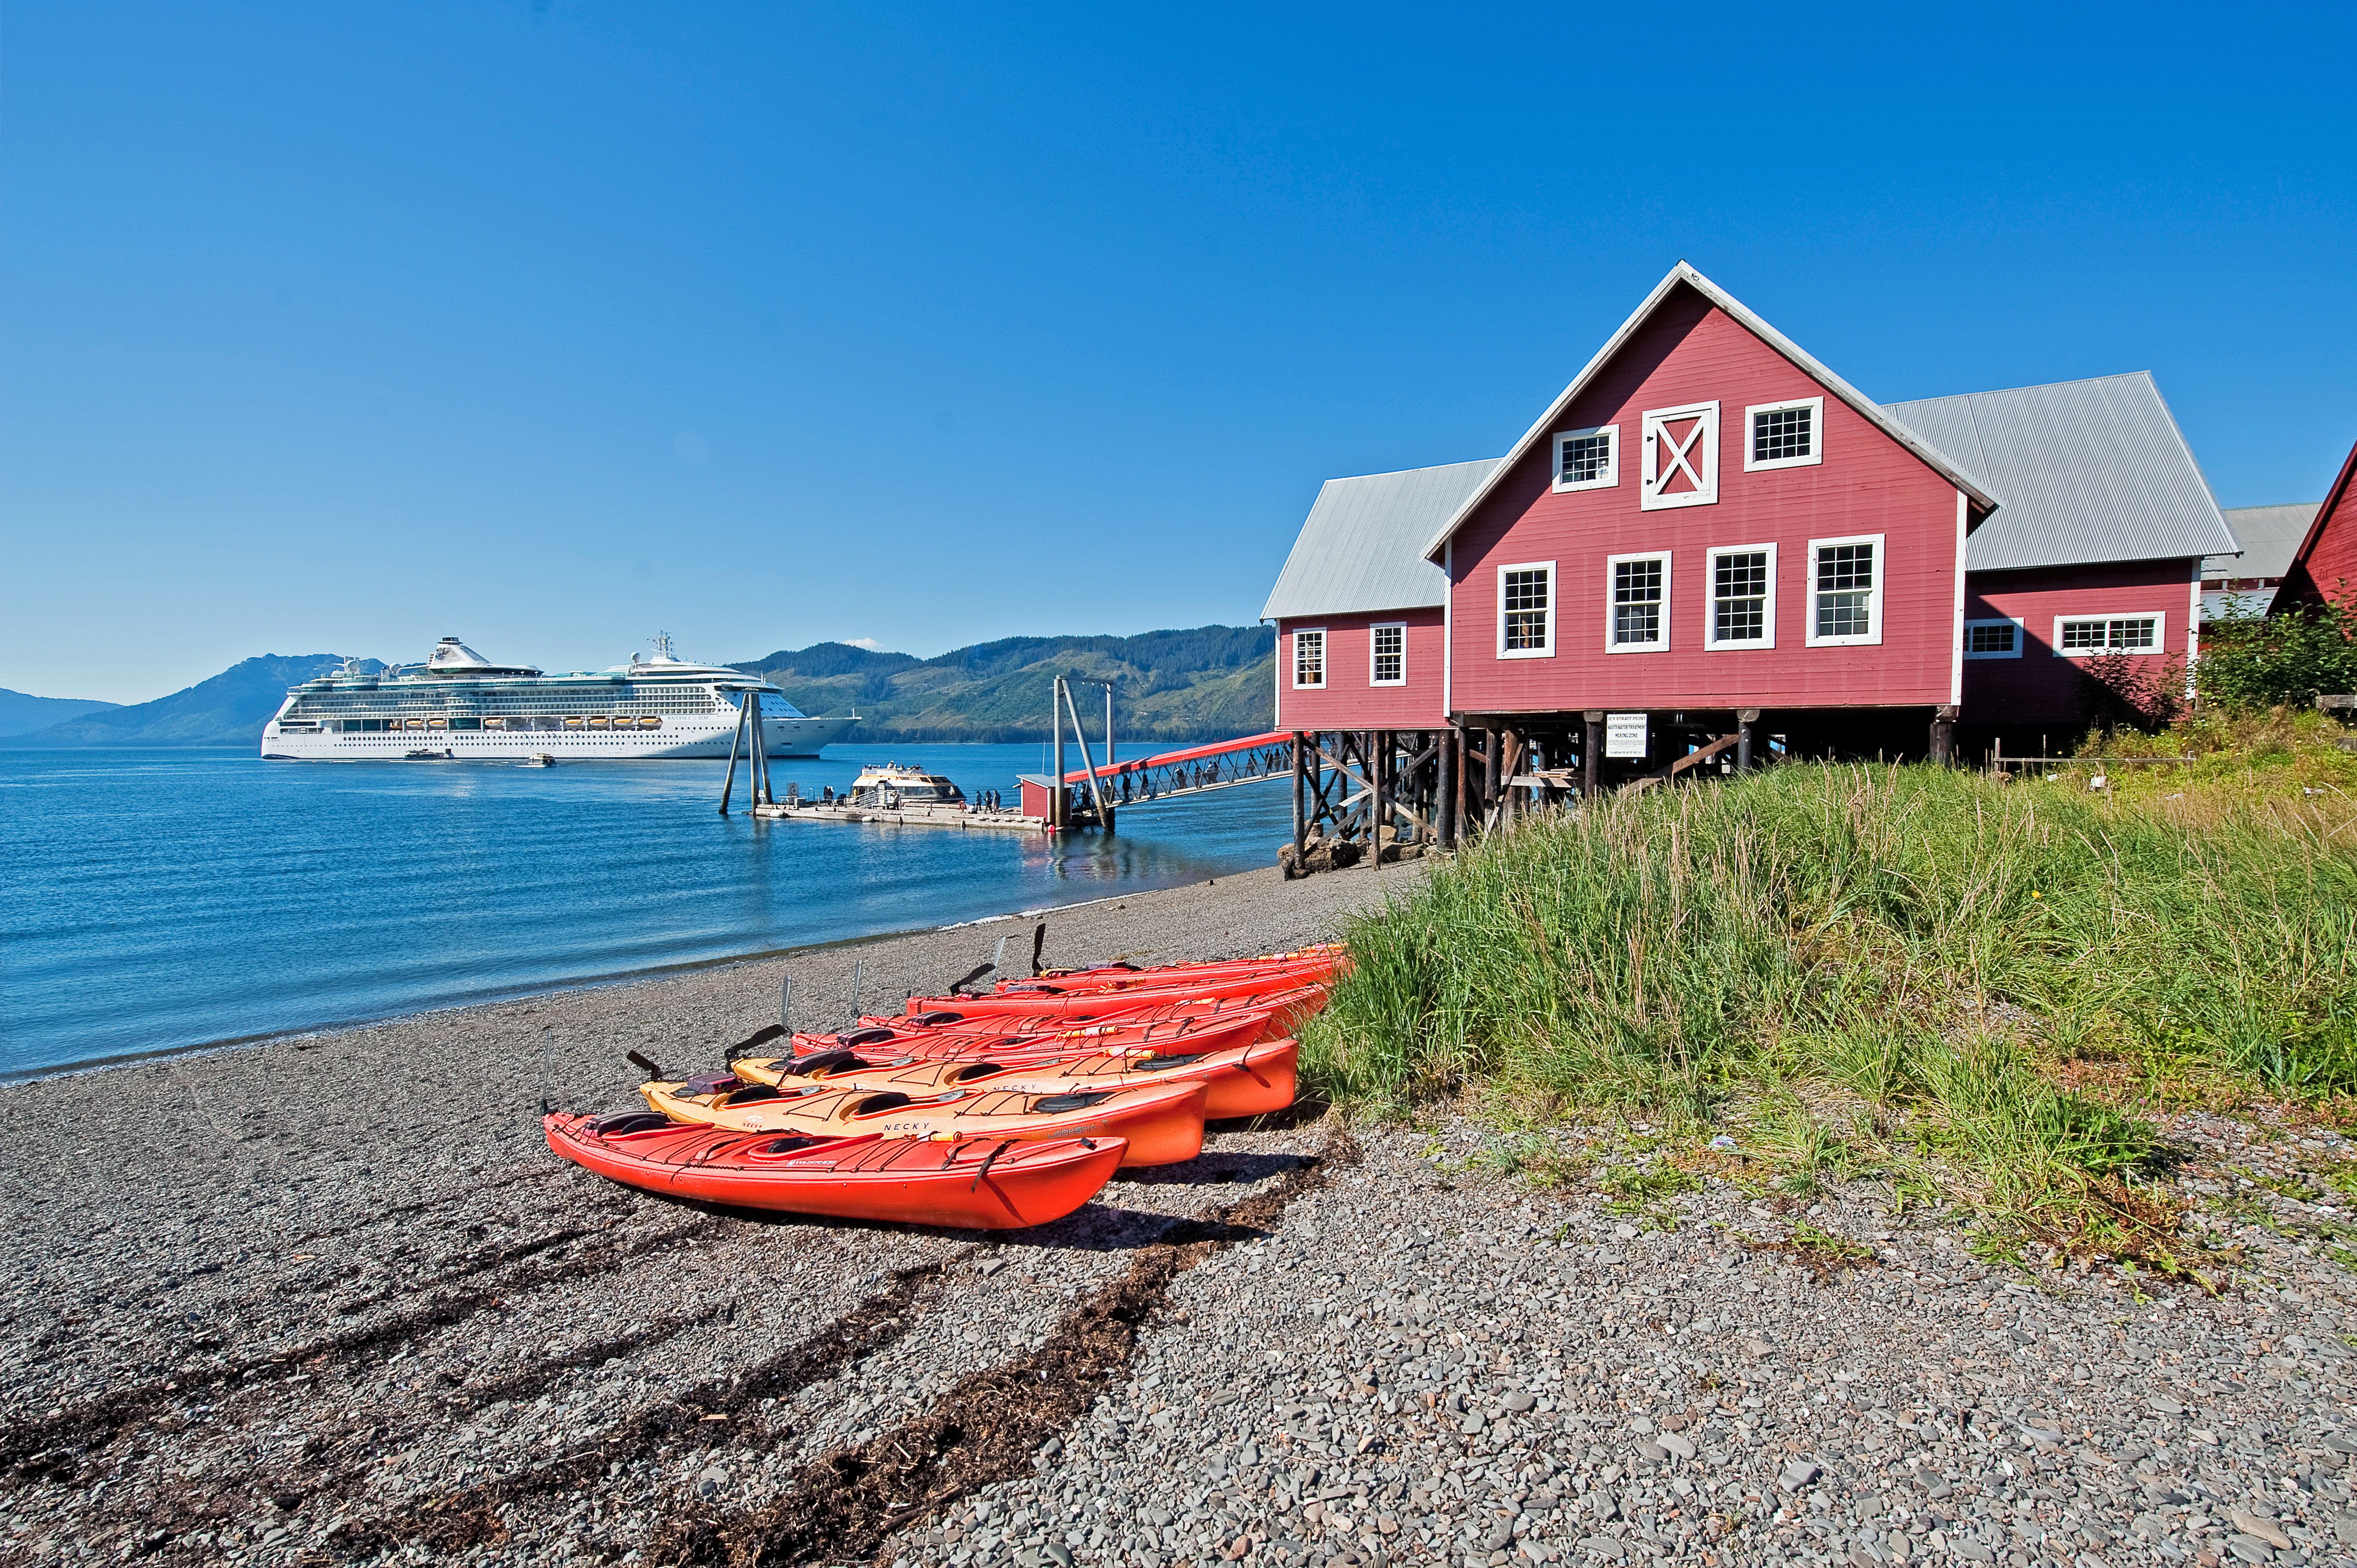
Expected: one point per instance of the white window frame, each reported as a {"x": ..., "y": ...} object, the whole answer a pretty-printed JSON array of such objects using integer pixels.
[
  {"x": 1397, "y": 626},
  {"x": 1555, "y": 603},
  {"x": 2020, "y": 635},
  {"x": 1610, "y": 477},
  {"x": 1816, "y": 434},
  {"x": 1703, "y": 442},
  {"x": 1325, "y": 658},
  {"x": 1874, "y": 599},
  {"x": 1662, "y": 643},
  {"x": 2159, "y": 619},
  {"x": 1710, "y": 637}
]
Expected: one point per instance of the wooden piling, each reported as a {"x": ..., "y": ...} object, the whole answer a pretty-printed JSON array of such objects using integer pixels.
[
  {"x": 1448, "y": 799},
  {"x": 1591, "y": 753},
  {"x": 729, "y": 784},
  {"x": 1300, "y": 804}
]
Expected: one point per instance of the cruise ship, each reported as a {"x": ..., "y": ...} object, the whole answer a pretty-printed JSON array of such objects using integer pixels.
[{"x": 459, "y": 704}]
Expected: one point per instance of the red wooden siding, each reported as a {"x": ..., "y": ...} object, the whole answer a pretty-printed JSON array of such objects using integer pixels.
[
  {"x": 1689, "y": 352},
  {"x": 2326, "y": 567},
  {"x": 2042, "y": 686},
  {"x": 1350, "y": 700}
]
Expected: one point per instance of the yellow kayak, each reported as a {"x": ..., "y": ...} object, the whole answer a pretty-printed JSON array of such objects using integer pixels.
[
  {"x": 1163, "y": 1122},
  {"x": 1240, "y": 1080}
]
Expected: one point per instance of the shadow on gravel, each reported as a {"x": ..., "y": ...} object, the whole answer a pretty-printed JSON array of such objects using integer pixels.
[
  {"x": 57, "y": 1448},
  {"x": 1213, "y": 1166},
  {"x": 841, "y": 1507},
  {"x": 703, "y": 1417}
]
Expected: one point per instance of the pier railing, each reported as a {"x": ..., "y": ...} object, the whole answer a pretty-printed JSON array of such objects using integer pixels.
[{"x": 1194, "y": 769}]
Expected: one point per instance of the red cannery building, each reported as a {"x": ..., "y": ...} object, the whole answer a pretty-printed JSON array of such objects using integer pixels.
[{"x": 1709, "y": 541}]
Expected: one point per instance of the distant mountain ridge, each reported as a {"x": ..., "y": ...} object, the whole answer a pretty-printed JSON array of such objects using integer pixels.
[
  {"x": 1206, "y": 682},
  {"x": 21, "y": 713},
  {"x": 230, "y": 709}
]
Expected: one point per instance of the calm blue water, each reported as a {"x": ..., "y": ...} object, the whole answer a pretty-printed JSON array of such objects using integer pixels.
[{"x": 156, "y": 899}]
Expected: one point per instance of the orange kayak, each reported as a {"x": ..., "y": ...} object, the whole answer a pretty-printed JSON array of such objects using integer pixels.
[
  {"x": 930, "y": 1034},
  {"x": 990, "y": 1183},
  {"x": 1286, "y": 1005},
  {"x": 1242, "y": 1080},
  {"x": 1162, "y": 1124}
]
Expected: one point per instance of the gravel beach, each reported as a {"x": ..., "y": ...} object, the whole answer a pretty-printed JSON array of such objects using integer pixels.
[{"x": 330, "y": 1300}]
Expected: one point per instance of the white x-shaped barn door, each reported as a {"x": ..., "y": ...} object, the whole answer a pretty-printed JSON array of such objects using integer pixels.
[{"x": 1680, "y": 445}]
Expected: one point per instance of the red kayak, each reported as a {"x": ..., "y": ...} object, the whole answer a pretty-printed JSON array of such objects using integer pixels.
[
  {"x": 987, "y": 1184},
  {"x": 1286, "y": 1005},
  {"x": 946, "y": 1039},
  {"x": 1307, "y": 966}
]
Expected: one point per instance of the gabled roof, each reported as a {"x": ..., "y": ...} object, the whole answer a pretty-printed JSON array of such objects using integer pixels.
[
  {"x": 2092, "y": 470},
  {"x": 1357, "y": 551},
  {"x": 1743, "y": 314},
  {"x": 2270, "y": 536},
  {"x": 2331, "y": 503}
]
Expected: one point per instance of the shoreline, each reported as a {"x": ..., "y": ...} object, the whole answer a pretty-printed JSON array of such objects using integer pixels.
[
  {"x": 332, "y": 1302},
  {"x": 16, "y": 1076}
]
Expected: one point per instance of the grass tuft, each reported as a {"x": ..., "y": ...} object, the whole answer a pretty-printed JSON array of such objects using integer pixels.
[{"x": 1883, "y": 969}]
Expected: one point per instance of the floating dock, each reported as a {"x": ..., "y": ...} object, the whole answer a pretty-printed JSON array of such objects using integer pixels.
[{"x": 792, "y": 809}]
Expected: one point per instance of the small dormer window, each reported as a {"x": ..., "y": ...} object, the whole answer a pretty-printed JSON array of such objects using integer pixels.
[
  {"x": 1587, "y": 459},
  {"x": 1785, "y": 435}
]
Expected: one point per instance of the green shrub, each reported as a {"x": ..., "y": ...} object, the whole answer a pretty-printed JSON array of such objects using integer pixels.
[{"x": 2290, "y": 656}]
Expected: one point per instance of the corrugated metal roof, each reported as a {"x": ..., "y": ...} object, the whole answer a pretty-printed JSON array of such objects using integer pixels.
[
  {"x": 1362, "y": 547},
  {"x": 2270, "y": 537},
  {"x": 2093, "y": 470}
]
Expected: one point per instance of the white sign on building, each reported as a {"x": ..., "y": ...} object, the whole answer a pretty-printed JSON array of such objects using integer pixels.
[{"x": 1624, "y": 735}]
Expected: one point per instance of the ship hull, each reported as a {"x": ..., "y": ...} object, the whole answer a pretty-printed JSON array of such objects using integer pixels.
[{"x": 692, "y": 735}]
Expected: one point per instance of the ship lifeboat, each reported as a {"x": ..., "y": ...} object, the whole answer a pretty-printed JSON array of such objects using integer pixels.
[
  {"x": 651, "y": 721},
  {"x": 990, "y": 1183}
]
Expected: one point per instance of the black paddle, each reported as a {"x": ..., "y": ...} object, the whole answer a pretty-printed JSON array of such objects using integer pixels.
[{"x": 644, "y": 1066}]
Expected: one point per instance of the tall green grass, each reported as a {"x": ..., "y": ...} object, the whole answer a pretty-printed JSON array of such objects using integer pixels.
[{"x": 1893, "y": 957}]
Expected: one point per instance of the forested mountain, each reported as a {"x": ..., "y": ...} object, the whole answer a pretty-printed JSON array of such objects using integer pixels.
[
  {"x": 230, "y": 709},
  {"x": 21, "y": 714},
  {"x": 1207, "y": 683}
]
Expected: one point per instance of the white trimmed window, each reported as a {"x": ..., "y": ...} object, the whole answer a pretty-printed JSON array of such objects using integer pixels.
[
  {"x": 1308, "y": 659},
  {"x": 1993, "y": 639},
  {"x": 2086, "y": 636},
  {"x": 1681, "y": 457},
  {"x": 1785, "y": 435},
  {"x": 1526, "y": 610},
  {"x": 1637, "y": 619},
  {"x": 1587, "y": 459},
  {"x": 1845, "y": 591},
  {"x": 1742, "y": 608},
  {"x": 1387, "y": 654}
]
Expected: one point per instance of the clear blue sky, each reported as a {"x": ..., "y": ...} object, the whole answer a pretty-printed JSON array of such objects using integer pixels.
[{"x": 339, "y": 327}]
